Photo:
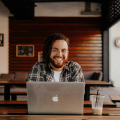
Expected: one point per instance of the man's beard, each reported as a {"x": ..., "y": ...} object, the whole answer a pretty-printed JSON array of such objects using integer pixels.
[{"x": 57, "y": 65}]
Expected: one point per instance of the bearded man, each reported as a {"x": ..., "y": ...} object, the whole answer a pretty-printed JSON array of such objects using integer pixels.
[{"x": 55, "y": 66}]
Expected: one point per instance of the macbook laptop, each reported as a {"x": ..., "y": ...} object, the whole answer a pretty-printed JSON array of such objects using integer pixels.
[{"x": 55, "y": 97}]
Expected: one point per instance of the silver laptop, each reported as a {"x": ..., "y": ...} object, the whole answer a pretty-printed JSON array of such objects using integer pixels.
[{"x": 55, "y": 97}]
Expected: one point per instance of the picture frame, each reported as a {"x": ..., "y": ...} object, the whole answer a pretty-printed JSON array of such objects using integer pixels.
[
  {"x": 1, "y": 39},
  {"x": 25, "y": 50},
  {"x": 40, "y": 56}
]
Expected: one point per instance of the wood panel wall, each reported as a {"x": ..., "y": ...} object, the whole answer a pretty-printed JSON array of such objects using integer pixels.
[{"x": 84, "y": 33}]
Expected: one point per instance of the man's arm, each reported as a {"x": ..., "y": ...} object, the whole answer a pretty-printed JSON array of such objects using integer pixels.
[
  {"x": 34, "y": 74},
  {"x": 77, "y": 74}
]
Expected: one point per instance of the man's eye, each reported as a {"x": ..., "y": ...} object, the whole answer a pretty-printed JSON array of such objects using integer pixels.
[
  {"x": 64, "y": 51},
  {"x": 54, "y": 50}
]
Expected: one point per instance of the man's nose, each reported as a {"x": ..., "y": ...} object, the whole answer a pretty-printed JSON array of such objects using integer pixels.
[{"x": 59, "y": 53}]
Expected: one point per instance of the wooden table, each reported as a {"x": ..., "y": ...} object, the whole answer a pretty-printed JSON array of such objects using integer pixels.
[
  {"x": 87, "y": 111},
  {"x": 7, "y": 85},
  {"x": 90, "y": 83},
  {"x": 13, "y": 103},
  {"x": 115, "y": 98},
  {"x": 57, "y": 117}
]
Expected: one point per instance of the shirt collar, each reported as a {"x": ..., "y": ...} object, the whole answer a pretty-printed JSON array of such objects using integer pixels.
[{"x": 67, "y": 67}]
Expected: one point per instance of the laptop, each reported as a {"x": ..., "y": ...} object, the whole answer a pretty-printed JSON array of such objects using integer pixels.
[{"x": 55, "y": 97}]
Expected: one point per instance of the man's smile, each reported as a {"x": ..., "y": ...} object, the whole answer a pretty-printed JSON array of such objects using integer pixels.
[{"x": 58, "y": 59}]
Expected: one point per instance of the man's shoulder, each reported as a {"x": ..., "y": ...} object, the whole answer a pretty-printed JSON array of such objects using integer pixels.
[
  {"x": 73, "y": 64},
  {"x": 39, "y": 64}
]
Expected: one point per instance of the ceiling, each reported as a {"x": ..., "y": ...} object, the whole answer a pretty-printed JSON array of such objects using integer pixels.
[
  {"x": 96, "y": 1},
  {"x": 25, "y": 8}
]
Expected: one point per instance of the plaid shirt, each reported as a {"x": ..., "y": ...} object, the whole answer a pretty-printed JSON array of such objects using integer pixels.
[{"x": 71, "y": 72}]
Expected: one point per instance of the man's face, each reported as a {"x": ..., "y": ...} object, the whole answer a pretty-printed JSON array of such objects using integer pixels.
[{"x": 59, "y": 54}]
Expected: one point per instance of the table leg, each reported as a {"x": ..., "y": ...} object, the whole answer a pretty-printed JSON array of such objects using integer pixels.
[
  {"x": 87, "y": 93},
  {"x": 13, "y": 97},
  {"x": 7, "y": 92}
]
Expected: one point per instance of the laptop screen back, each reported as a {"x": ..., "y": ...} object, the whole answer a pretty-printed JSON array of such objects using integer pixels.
[{"x": 55, "y": 97}]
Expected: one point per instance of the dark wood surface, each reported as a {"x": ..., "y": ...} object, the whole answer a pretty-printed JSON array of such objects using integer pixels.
[
  {"x": 115, "y": 98},
  {"x": 25, "y": 93},
  {"x": 97, "y": 83},
  {"x": 89, "y": 82},
  {"x": 7, "y": 85},
  {"x": 84, "y": 33},
  {"x": 24, "y": 103},
  {"x": 87, "y": 111},
  {"x": 94, "y": 83},
  {"x": 12, "y": 82},
  {"x": 105, "y": 104},
  {"x": 15, "y": 94},
  {"x": 58, "y": 117}
]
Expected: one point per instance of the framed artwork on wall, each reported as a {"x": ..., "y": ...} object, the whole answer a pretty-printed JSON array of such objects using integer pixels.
[
  {"x": 24, "y": 50},
  {"x": 1, "y": 39},
  {"x": 40, "y": 56}
]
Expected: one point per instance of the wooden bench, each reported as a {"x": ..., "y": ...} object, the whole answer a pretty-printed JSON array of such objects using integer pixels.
[
  {"x": 14, "y": 94},
  {"x": 115, "y": 98},
  {"x": 105, "y": 104},
  {"x": 14, "y": 103},
  {"x": 94, "y": 93}
]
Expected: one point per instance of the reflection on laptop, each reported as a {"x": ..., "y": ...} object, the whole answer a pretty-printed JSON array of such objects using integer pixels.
[{"x": 55, "y": 97}]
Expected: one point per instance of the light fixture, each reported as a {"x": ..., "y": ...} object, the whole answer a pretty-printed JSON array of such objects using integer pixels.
[{"x": 117, "y": 42}]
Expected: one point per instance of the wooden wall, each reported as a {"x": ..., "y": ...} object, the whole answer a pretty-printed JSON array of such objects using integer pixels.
[{"x": 84, "y": 33}]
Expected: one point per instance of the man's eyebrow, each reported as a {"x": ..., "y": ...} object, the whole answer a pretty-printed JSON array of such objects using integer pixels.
[
  {"x": 57, "y": 48},
  {"x": 54, "y": 48}
]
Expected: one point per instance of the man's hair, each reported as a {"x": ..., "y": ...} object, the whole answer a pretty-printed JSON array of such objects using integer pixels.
[{"x": 49, "y": 43}]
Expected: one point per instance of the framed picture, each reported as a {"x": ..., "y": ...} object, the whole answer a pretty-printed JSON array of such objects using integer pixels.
[
  {"x": 24, "y": 50},
  {"x": 40, "y": 56},
  {"x": 1, "y": 39}
]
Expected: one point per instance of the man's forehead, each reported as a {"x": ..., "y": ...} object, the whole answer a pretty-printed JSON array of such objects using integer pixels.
[{"x": 60, "y": 44}]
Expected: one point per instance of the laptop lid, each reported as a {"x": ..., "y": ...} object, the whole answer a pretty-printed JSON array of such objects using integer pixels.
[{"x": 55, "y": 97}]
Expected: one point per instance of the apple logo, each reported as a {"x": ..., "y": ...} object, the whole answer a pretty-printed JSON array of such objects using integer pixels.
[{"x": 55, "y": 98}]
